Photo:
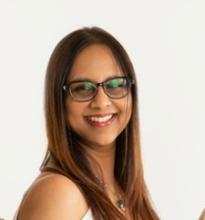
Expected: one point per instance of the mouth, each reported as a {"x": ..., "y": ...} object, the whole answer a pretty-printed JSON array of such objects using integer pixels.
[{"x": 101, "y": 120}]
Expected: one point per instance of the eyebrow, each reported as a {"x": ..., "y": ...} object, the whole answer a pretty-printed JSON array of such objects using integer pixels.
[{"x": 87, "y": 79}]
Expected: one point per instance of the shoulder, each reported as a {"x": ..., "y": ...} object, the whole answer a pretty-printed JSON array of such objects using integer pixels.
[{"x": 53, "y": 196}]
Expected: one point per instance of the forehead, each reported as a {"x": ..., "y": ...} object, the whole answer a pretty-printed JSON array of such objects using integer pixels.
[{"x": 96, "y": 63}]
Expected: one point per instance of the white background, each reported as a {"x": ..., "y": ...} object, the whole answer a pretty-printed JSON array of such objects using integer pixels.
[{"x": 165, "y": 41}]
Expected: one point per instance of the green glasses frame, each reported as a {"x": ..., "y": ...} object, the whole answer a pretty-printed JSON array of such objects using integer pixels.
[{"x": 128, "y": 82}]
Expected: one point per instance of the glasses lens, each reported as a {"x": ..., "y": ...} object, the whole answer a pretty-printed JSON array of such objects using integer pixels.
[
  {"x": 82, "y": 90},
  {"x": 117, "y": 87}
]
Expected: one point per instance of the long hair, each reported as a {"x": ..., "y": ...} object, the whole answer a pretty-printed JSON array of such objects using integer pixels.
[{"x": 65, "y": 147}]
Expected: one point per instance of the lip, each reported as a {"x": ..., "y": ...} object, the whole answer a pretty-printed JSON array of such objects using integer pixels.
[
  {"x": 101, "y": 124},
  {"x": 100, "y": 115}
]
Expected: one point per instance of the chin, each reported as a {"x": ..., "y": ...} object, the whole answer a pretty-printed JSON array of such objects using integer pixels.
[
  {"x": 98, "y": 139},
  {"x": 104, "y": 142}
]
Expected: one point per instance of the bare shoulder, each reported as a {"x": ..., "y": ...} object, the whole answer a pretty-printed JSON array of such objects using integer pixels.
[{"x": 53, "y": 197}]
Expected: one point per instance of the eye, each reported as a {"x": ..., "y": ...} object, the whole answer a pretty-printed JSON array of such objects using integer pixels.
[
  {"x": 113, "y": 83},
  {"x": 82, "y": 87},
  {"x": 88, "y": 85}
]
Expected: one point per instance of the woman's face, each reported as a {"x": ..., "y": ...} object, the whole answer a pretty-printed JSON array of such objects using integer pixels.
[{"x": 97, "y": 64}]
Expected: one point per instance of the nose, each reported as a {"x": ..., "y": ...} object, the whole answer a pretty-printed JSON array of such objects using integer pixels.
[{"x": 101, "y": 100}]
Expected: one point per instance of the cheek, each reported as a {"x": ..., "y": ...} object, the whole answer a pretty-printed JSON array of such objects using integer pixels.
[
  {"x": 126, "y": 108},
  {"x": 73, "y": 112},
  {"x": 129, "y": 108}
]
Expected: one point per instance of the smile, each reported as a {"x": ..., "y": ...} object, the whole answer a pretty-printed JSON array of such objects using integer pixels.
[{"x": 101, "y": 121}]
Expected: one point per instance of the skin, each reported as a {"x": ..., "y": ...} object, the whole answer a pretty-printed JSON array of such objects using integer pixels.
[
  {"x": 50, "y": 197},
  {"x": 53, "y": 196},
  {"x": 97, "y": 63}
]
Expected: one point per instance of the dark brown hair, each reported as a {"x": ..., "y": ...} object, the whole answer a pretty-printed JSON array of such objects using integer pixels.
[{"x": 65, "y": 147}]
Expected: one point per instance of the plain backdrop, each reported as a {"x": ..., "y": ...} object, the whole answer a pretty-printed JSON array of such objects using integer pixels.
[{"x": 165, "y": 41}]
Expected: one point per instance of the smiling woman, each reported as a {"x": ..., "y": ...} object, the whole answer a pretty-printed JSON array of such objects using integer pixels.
[{"x": 93, "y": 167}]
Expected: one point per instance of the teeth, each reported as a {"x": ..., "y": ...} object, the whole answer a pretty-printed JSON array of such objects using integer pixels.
[{"x": 101, "y": 119}]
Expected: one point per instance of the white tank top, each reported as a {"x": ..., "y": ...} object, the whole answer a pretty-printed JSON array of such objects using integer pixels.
[{"x": 88, "y": 215}]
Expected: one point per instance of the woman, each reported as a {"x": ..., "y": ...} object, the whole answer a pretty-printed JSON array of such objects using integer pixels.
[{"x": 93, "y": 167}]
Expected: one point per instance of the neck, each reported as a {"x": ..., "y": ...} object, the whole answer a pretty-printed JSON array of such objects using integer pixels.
[{"x": 105, "y": 157}]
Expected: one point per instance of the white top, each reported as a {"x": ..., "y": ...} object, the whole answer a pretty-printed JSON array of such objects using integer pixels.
[{"x": 88, "y": 215}]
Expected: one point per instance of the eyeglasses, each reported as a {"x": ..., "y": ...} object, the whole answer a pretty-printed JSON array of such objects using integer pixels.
[{"x": 85, "y": 90}]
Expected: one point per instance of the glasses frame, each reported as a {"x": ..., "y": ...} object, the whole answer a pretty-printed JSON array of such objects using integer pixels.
[{"x": 67, "y": 86}]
